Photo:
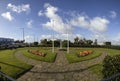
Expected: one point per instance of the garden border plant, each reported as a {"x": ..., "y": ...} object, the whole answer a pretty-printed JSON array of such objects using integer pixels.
[
  {"x": 72, "y": 57},
  {"x": 49, "y": 57}
]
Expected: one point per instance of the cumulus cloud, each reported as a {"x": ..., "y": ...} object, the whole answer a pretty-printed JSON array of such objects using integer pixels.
[
  {"x": 80, "y": 21},
  {"x": 97, "y": 24},
  {"x": 116, "y": 40},
  {"x": 19, "y": 8},
  {"x": 40, "y": 13},
  {"x": 55, "y": 22},
  {"x": 29, "y": 23},
  {"x": 113, "y": 14},
  {"x": 62, "y": 36},
  {"x": 29, "y": 38},
  {"x": 7, "y": 15}
]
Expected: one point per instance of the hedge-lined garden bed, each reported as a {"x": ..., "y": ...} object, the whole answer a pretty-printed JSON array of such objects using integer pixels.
[{"x": 111, "y": 66}]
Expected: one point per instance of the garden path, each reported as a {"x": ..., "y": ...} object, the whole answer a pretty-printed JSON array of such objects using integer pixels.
[{"x": 60, "y": 70}]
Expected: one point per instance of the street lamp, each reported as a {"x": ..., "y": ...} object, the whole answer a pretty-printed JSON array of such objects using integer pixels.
[
  {"x": 53, "y": 39},
  {"x": 67, "y": 43},
  {"x": 23, "y": 33}
]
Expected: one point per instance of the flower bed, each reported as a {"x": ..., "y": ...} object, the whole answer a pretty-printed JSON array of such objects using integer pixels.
[
  {"x": 37, "y": 52},
  {"x": 85, "y": 53}
]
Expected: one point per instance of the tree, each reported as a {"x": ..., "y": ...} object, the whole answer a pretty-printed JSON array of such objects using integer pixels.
[
  {"x": 64, "y": 43},
  {"x": 49, "y": 43},
  {"x": 76, "y": 41},
  {"x": 57, "y": 43},
  {"x": 89, "y": 42},
  {"x": 35, "y": 43},
  {"x": 81, "y": 42},
  {"x": 44, "y": 42}
]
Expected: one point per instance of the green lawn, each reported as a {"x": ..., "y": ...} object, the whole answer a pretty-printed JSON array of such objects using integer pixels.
[
  {"x": 72, "y": 56},
  {"x": 97, "y": 69},
  {"x": 10, "y": 65},
  {"x": 50, "y": 57},
  {"x": 13, "y": 67}
]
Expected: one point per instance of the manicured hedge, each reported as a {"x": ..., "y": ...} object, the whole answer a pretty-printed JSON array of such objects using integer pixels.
[{"x": 111, "y": 66}]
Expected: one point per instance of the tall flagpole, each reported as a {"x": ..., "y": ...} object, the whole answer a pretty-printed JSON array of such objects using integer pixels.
[
  {"x": 23, "y": 33},
  {"x": 53, "y": 38},
  {"x": 67, "y": 42}
]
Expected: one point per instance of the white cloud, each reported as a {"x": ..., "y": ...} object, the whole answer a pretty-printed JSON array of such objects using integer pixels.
[
  {"x": 113, "y": 14},
  {"x": 56, "y": 23},
  {"x": 40, "y": 13},
  {"x": 7, "y": 15},
  {"x": 98, "y": 24},
  {"x": 19, "y": 8},
  {"x": 62, "y": 36},
  {"x": 100, "y": 36},
  {"x": 29, "y": 38},
  {"x": 29, "y": 23},
  {"x": 116, "y": 40},
  {"x": 80, "y": 21},
  {"x": 46, "y": 36}
]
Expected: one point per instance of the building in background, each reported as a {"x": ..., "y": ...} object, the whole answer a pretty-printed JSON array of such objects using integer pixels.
[
  {"x": 6, "y": 41},
  {"x": 107, "y": 43}
]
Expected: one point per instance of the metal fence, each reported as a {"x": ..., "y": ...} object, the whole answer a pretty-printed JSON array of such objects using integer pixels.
[
  {"x": 112, "y": 78},
  {"x": 4, "y": 77}
]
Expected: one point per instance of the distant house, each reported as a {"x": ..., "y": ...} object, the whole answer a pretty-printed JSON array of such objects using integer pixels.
[
  {"x": 6, "y": 41},
  {"x": 107, "y": 43}
]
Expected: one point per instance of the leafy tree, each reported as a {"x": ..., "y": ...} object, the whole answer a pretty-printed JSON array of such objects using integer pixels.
[
  {"x": 64, "y": 43},
  {"x": 35, "y": 43},
  {"x": 44, "y": 42},
  {"x": 89, "y": 42},
  {"x": 76, "y": 40},
  {"x": 111, "y": 66},
  {"x": 57, "y": 43}
]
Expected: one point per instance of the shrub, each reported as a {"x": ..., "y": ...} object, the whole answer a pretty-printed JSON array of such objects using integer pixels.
[{"x": 111, "y": 66}]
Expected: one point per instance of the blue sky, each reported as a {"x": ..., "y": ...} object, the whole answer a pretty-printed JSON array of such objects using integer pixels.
[{"x": 92, "y": 19}]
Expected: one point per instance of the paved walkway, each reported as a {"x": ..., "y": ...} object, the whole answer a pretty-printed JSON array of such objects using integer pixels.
[{"x": 60, "y": 70}]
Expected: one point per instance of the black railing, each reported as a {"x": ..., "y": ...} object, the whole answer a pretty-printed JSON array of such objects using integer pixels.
[
  {"x": 4, "y": 77},
  {"x": 112, "y": 78}
]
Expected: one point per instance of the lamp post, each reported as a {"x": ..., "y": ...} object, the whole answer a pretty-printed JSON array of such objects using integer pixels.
[
  {"x": 60, "y": 43},
  {"x": 67, "y": 43},
  {"x": 23, "y": 33},
  {"x": 53, "y": 39}
]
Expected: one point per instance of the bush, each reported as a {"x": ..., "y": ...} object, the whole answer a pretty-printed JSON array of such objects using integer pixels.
[{"x": 111, "y": 66}]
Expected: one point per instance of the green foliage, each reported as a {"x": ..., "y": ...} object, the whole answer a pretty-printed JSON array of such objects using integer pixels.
[
  {"x": 111, "y": 66},
  {"x": 97, "y": 69},
  {"x": 35, "y": 43},
  {"x": 64, "y": 43}
]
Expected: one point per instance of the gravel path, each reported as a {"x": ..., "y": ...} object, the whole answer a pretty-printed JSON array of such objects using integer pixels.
[{"x": 60, "y": 70}]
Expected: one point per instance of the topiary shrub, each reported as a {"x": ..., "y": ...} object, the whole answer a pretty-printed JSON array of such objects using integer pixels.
[{"x": 111, "y": 66}]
